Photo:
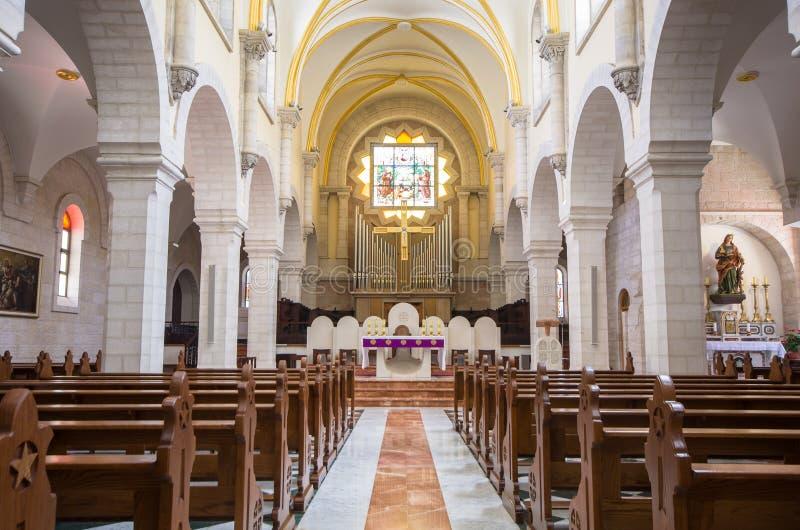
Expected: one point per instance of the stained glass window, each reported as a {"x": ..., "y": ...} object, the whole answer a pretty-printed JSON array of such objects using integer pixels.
[
  {"x": 404, "y": 172},
  {"x": 63, "y": 255}
]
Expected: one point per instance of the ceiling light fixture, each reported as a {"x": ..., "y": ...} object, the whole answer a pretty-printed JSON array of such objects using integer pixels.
[
  {"x": 746, "y": 77},
  {"x": 68, "y": 75},
  {"x": 404, "y": 26}
]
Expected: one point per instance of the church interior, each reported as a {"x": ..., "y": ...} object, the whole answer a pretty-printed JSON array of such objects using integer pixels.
[{"x": 384, "y": 264}]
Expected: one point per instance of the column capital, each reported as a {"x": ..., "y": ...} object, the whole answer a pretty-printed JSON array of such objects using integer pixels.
[
  {"x": 496, "y": 161},
  {"x": 255, "y": 44},
  {"x": 553, "y": 47},
  {"x": 519, "y": 116},
  {"x": 656, "y": 166},
  {"x": 128, "y": 167},
  {"x": 220, "y": 223},
  {"x": 542, "y": 250},
  {"x": 586, "y": 219},
  {"x": 310, "y": 159},
  {"x": 262, "y": 249},
  {"x": 289, "y": 116}
]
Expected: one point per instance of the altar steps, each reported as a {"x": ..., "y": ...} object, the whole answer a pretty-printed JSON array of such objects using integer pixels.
[{"x": 378, "y": 393}]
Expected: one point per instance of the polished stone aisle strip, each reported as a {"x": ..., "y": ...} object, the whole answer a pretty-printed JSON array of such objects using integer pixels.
[
  {"x": 342, "y": 501},
  {"x": 406, "y": 494},
  {"x": 471, "y": 501}
]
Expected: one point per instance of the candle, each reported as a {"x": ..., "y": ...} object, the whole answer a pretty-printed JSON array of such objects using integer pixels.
[
  {"x": 755, "y": 281},
  {"x": 707, "y": 281},
  {"x": 765, "y": 280}
]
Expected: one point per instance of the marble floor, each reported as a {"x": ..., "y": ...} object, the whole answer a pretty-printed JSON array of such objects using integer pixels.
[{"x": 405, "y": 469}]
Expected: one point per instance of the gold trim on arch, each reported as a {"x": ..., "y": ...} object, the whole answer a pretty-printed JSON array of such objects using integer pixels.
[
  {"x": 320, "y": 18},
  {"x": 439, "y": 95},
  {"x": 323, "y": 98}
]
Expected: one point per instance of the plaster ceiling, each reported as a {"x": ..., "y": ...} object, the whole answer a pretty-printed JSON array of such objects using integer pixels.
[{"x": 38, "y": 105}]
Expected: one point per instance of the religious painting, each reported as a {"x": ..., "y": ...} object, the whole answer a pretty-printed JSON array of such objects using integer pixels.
[
  {"x": 20, "y": 282},
  {"x": 404, "y": 173}
]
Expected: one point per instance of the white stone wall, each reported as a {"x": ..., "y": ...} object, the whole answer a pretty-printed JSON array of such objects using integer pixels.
[
  {"x": 58, "y": 331},
  {"x": 624, "y": 271}
]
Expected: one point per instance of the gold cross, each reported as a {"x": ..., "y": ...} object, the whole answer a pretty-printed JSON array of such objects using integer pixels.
[
  {"x": 404, "y": 230},
  {"x": 24, "y": 465}
]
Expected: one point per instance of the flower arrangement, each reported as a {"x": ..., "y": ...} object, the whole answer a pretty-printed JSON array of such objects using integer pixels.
[{"x": 791, "y": 340}]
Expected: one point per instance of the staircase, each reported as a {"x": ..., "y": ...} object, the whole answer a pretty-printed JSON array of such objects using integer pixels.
[{"x": 372, "y": 392}]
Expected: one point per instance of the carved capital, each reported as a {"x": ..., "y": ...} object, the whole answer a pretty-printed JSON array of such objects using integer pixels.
[
  {"x": 310, "y": 160},
  {"x": 289, "y": 116},
  {"x": 496, "y": 161},
  {"x": 558, "y": 161},
  {"x": 553, "y": 47},
  {"x": 285, "y": 204},
  {"x": 255, "y": 44},
  {"x": 522, "y": 204},
  {"x": 308, "y": 231},
  {"x": 500, "y": 231},
  {"x": 519, "y": 116},
  {"x": 626, "y": 80},
  {"x": 182, "y": 79},
  {"x": 249, "y": 161}
]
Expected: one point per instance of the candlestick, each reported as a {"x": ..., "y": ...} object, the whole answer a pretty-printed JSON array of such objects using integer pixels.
[
  {"x": 744, "y": 314},
  {"x": 756, "y": 315},
  {"x": 767, "y": 314},
  {"x": 706, "y": 300}
]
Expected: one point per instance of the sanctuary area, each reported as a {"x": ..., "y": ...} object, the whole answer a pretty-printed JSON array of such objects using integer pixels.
[{"x": 399, "y": 264}]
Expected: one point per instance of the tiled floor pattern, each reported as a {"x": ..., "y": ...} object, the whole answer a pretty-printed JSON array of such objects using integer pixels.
[{"x": 406, "y": 494}]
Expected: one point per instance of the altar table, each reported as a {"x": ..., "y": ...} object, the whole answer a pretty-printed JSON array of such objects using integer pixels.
[
  {"x": 384, "y": 344},
  {"x": 761, "y": 351}
]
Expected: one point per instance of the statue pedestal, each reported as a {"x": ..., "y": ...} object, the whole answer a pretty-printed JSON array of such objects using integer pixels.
[{"x": 726, "y": 317}]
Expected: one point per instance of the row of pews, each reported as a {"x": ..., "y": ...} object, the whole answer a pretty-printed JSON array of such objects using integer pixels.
[
  {"x": 164, "y": 449},
  {"x": 45, "y": 368},
  {"x": 620, "y": 451}
]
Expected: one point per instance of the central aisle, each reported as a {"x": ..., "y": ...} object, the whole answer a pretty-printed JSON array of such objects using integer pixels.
[{"x": 405, "y": 469}]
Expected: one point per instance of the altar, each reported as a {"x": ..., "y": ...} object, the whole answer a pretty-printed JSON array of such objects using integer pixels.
[
  {"x": 761, "y": 351},
  {"x": 403, "y": 357}
]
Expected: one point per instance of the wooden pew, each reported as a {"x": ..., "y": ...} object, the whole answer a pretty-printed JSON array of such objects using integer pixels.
[
  {"x": 231, "y": 427},
  {"x": 26, "y": 499},
  {"x": 96, "y": 485},
  {"x": 727, "y": 425},
  {"x": 704, "y": 496}
]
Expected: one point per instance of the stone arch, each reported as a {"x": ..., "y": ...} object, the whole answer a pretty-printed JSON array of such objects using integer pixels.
[
  {"x": 211, "y": 156},
  {"x": 598, "y": 142},
  {"x": 293, "y": 249},
  {"x": 263, "y": 217},
  {"x": 398, "y": 109},
  {"x": 185, "y": 280},
  {"x": 514, "y": 234},
  {"x": 132, "y": 107},
  {"x": 544, "y": 204}
]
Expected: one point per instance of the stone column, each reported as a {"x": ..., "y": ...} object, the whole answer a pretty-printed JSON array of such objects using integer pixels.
[
  {"x": 497, "y": 163},
  {"x": 794, "y": 24},
  {"x": 520, "y": 119},
  {"x": 290, "y": 117},
  {"x": 667, "y": 187},
  {"x": 183, "y": 74},
  {"x": 516, "y": 276},
  {"x": 290, "y": 275},
  {"x": 586, "y": 287},
  {"x": 221, "y": 239},
  {"x": 542, "y": 259},
  {"x": 344, "y": 218},
  {"x": 553, "y": 49},
  {"x": 310, "y": 161},
  {"x": 141, "y": 188},
  {"x": 324, "y": 216},
  {"x": 626, "y": 73},
  {"x": 484, "y": 225},
  {"x": 262, "y": 319},
  {"x": 255, "y": 45}
]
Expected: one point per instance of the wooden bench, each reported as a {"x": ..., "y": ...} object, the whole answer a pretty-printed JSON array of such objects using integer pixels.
[
  {"x": 612, "y": 446},
  {"x": 26, "y": 498},
  {"x": 44, "y": 368}
]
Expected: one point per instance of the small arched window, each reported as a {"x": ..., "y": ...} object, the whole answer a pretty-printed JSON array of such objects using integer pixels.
[
  {"x": 63, "y": 256},
  {"x": 246, "y": 283},
  {"x": 69, "y": 244},
  {"x": 586, "y": 12},
  {"x": 561, "y": 298}
]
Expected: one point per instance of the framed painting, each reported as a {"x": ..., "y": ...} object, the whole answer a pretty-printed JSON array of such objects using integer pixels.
[{"x": 20, "y": 282}]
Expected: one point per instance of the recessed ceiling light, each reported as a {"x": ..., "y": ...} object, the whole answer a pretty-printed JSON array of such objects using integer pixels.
[
  {"x": 746, "y": 77},
  {"x": 68, "y": 75}
]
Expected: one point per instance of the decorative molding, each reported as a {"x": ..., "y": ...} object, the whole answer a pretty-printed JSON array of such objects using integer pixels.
[
  {"x": 627, "y": 80},
  {"x": 249, "y": 161},
  {"x": 310, "y": 159},
  {"x": 496, "y": 161},
  {"x": 558, "y": 161},
  {"x": 255, "y": 44},
  {"x": 289, "y": 116},
  {"x": 182, "y": 79},
  {"x": 519, "y": 116},
  {"x": 554, "y": 47}
]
